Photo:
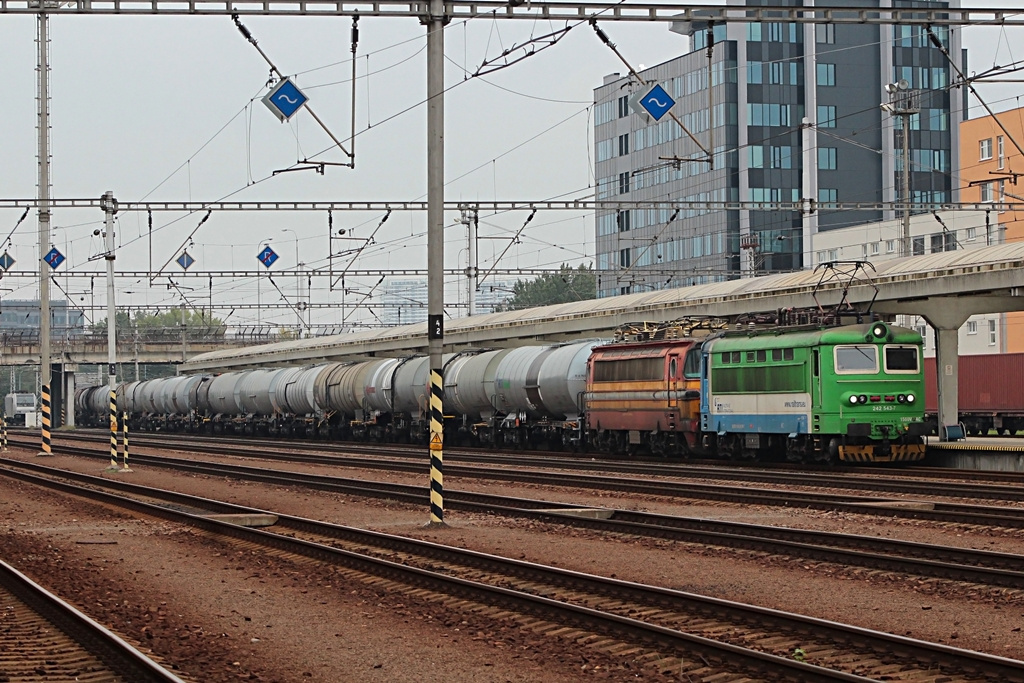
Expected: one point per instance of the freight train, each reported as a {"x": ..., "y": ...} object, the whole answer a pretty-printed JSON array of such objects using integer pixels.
[
  {"x": 806, "y": 393},
  {"x": 990, "y": 394}
]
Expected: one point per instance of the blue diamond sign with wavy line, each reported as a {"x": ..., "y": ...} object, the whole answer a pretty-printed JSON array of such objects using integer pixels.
[{"x": 285, "y": 99}]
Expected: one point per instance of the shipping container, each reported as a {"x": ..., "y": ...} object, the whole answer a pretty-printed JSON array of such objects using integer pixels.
[{"x": 990, "y": 392}]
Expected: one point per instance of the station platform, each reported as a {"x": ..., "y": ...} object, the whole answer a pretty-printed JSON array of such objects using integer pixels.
[{"x": 992, "y": 453}]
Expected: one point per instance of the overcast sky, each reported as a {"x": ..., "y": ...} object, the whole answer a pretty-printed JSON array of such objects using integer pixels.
[{"x": 168, "y": 109}]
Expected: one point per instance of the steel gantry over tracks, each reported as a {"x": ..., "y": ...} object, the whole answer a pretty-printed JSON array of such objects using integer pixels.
[{"x": 532, "y": 11}]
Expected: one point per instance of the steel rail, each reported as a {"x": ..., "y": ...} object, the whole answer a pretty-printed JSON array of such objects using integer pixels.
[
  {"x": 943, "y": 512},
  {"x": 922, "y": 559},
  {"x": 115, "y": 654},
  {"x": 724, "y": 655},
  {"x": 846, "y": 478},
  {"x": 921, "y": 653}
]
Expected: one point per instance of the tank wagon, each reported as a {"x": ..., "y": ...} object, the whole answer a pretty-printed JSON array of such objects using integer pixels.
[{"x": 836, "y": 393}]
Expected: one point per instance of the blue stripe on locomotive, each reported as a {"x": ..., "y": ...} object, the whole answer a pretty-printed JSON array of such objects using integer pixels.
[{"x": 752, "y": 423}]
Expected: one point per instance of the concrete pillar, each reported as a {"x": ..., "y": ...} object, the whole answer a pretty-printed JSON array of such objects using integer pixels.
[
  {"x": 947, "y": 367},
  {"x": 947, "y": 318}
]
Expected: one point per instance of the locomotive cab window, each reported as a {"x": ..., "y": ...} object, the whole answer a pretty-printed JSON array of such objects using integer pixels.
[
  {"x": 900, "y": 359},
  {"x": 856, "y": 359},
  {"x": 672, "y": 368},
  {"x": 691, "y": 366}
]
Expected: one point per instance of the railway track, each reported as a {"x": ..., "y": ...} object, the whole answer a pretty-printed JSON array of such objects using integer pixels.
[
  {"x": 907, "y": 481},
  {"x": 918, "y": 559},
  {"x": 689, "y": 635},
  {"x": 43, "y": 638},
  {"x": 958, "y": 513}
]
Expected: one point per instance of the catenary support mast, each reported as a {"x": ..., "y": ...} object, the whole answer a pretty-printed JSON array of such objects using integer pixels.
[
  {"x": 435, "y": 22},
  {"x": 43, "y": 97}
]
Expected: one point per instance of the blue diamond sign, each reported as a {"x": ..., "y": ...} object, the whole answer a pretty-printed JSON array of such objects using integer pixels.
[
  {"x": 54, "y": 258},
  {"x": 267, "y": 256},
  {"x": 185, "y": 260},
  {"x": 285, "y": 99},
  {"x": 6, "y": 261},
  {"x": 652, "y": 101}
]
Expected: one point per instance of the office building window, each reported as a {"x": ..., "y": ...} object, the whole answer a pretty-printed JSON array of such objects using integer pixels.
[
  {"x": 985, "y": 148},
  {"x": 827, "y": 158},
  {"x": 623, "y": 183},
  {"x": 940, "y": 243},
  {"x": 756, "y": 157},
  {"x": 890, "y": 246},
  {"x": 1000, "y": 152},
  {"x": 986, "y": 192},
  {"x": 754, "y": 31},
  {"x": 917, "y": 246},
  {"x": 991, "y": 332},
  {"x": 972, "y": 327},
  {"x": 972, "y": 234},
  {"x": 827, "y": 195},
  {"x": 826, "y": 116},
  {"x": 604, "y": 112},
  {"x": 826, "y": 75},
  {"x": 782, "y": 157},
  {"x": 825, "y": 33},
  {"x": 833, "y": 254},
  {"x": 622, "y": 221},
  {"x": 624, "y": 258},
  {"x": 623, "y": 106},
  {"x": 755, "y": 72},
  {"x": 874, "y": 248},
  {"x": 776, "y": 71},
  {"x": 624, "y": 145}
]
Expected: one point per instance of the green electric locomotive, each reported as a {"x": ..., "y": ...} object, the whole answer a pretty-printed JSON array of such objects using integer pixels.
[{"x": 850, "y": 393}]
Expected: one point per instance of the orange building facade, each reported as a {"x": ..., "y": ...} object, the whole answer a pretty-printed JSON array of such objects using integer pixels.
[{"x": 990, "y": 166}]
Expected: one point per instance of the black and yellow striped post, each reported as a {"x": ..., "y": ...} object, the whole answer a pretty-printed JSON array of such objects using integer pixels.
[
  {"x": 45, "y": 404},
  {"x": 3, "y": 432},
  {"x": 436, "y": 447},
  {"x": 113, "y": 430},
  {"x": 124, "y": 442}
]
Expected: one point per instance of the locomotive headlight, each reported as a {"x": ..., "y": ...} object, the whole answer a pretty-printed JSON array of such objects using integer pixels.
[
  {"x": 862, "y": 398},
  {"x": 910, "y": 398},
  {"x": 879, "y": 330},
  {"x": 854, "y": 400}
]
